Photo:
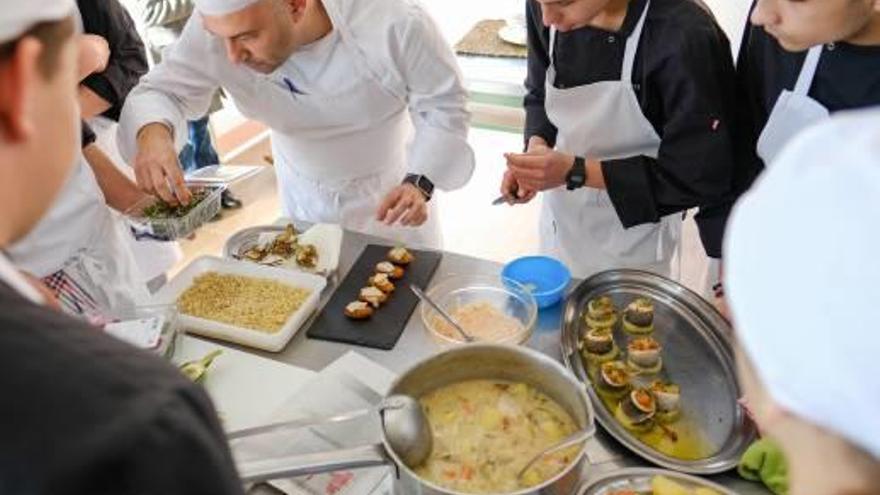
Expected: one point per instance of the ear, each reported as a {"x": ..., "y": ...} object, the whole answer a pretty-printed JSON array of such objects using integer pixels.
[
  {"x": 17, "y": 78},
  {"x": 298, "y": 7}
]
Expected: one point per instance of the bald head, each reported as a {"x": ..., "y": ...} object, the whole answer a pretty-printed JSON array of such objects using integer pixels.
[{"x": 262, "y": 34}]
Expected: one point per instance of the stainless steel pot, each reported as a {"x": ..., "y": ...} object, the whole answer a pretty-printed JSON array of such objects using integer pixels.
[{"x": 476, "y": 361}]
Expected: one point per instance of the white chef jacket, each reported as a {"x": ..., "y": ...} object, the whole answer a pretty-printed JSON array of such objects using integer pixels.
[{"x": 394, "y": 41}]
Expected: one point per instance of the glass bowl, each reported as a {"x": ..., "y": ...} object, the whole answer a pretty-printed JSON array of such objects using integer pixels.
[{"x": 471, "y": 294}]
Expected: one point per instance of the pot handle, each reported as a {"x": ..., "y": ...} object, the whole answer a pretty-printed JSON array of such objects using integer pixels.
[{"x": 298, "y": 465}]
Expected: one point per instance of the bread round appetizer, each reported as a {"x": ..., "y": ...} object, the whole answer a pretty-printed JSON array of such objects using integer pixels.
[
  {"x": 373, "y": 296},
  {"x": 358, "y": 310},
  {"x": 381, "y": 282},
  {"x": 388, "y": 268},
  {"x": 400, "y": 256}
]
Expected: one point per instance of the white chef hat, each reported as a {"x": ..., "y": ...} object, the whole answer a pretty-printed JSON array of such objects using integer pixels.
[
  {"x": 802, "y": 268},
  {"x": 222, "y": 7},
  {"x": 18, "y": 16}
]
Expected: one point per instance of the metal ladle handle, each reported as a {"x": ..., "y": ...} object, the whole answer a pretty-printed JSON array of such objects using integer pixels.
[
  {"x": 301, "y": 423},
  {"x": 424, "y": 297},
  {"x": 300, "y": 465},
  {"x": 572, "y": 440}
]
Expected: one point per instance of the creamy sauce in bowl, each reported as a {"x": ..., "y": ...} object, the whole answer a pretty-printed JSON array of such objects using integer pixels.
[{"x": 481, "y": 320}]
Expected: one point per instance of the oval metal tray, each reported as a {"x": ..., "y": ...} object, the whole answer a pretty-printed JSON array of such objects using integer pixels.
[
  {"x": 697, "y": 355},
  {"x": 639, "y": 479}
]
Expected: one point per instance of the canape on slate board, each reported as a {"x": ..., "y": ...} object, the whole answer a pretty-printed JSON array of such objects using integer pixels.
[{"x": 383, "y": 328}]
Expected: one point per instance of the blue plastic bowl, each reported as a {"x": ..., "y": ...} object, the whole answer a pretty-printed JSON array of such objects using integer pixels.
[{"x": 547, "y": 278}]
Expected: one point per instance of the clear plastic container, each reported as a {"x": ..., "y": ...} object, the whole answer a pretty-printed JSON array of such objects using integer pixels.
[
  {"x": 169, "y": 229},
  {"x": 457, "y": 291},
  {"x": 153, "y": 328}
]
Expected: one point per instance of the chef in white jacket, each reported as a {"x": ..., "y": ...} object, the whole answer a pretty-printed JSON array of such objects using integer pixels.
[{"x": 364, "y": 99}]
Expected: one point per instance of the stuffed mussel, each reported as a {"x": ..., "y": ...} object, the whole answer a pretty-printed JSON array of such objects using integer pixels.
[
  {"x": 668, "y": 397},
  {"x": 636, "y": 411},
  {"x": 643, "y": 356},
  {"x": 638, "y": 317},
  {"x": 613, "y": 379},
  {"x": 598, "y": 346},
  {"x": 601, "y": 313}
]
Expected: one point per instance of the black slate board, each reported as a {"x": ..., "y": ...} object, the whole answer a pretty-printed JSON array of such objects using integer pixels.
[{"x": 383, "y": 329}]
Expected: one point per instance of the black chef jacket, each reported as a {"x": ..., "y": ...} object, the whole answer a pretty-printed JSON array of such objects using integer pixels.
[
  {"x": 684, "y": 81},
  {"x": 847, "y": 77},
  {"x": 83, "y": 413},
  {"x": 128, "y": 60}
]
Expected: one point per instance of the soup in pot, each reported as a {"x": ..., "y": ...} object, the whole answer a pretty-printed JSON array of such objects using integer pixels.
[{"x": 485, "y": 431}]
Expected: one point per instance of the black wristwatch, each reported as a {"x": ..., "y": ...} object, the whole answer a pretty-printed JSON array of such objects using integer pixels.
[
  {"x": 422, "y": 183},
  {"x": 577, "y": 176}
]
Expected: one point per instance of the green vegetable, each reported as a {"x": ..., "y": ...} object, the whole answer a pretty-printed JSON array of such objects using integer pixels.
[
  {"x": 198, "y": 369},
  {"x": 162, "y": 210}
]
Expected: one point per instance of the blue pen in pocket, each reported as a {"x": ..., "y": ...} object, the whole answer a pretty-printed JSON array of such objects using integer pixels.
[{"x": 292, "y": 88}]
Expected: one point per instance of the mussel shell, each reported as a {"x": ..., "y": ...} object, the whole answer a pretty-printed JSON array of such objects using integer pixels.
[
  {"x": 639, "y": 318},
  {"x": 609, "y": 382},
  {"x": 667, "y": 401},
  {"x": 652, "y": 404},
  {"x": 633, "y": 413},
  {"x": 647, "y": 358}
]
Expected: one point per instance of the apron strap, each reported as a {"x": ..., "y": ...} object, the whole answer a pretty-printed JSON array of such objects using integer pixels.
[
  {"x": 808, "y": 70},
  {"x": 552, "y": 45},
  {"x": 632, "y": 46}
]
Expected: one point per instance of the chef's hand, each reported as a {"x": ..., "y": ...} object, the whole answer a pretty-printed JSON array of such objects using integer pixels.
[
  {"x": 405, "y": 203},
  {"x": 94, "y": 54},
  {"x": 541, "y": 169},
  {"x": 156, "y": 166},
  {"x": 514, "y": 192}
]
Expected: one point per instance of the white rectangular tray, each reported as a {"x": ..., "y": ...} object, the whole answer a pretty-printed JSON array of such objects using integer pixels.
[{"x": 272, "y": 342}]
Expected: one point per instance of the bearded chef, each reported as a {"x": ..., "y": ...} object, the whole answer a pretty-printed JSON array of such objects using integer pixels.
[{"x": 364, "y": 99}]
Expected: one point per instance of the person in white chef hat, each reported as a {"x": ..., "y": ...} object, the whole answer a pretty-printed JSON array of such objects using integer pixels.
[
  {"x": 364, "y": 99},
  {"x": 803, "y": 290},
  {"x": 79, "y": 249},
  {"x": 83, "y": 413}
]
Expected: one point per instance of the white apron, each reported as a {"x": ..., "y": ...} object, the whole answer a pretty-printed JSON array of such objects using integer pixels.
[
  {"x": 793, "y": 112},
  {"x": 602, "y": 121},
  {"x": 337, "y": 164},
  {"x": 154, "y": 258},
  {"x": 81, "y": 238}
]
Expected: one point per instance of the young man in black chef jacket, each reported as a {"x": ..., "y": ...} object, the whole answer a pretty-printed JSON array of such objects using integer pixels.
[
  {"x": 82, "y": 412},
  {"x": 651, "y": 137},
  {"x": 799, "y": 62}
]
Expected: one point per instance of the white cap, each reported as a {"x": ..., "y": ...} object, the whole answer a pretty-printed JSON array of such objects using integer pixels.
[
  {"x": 18, "y": 16},
  {"x": 222, "y": 7},
  {"x": 802, "y": 276}
]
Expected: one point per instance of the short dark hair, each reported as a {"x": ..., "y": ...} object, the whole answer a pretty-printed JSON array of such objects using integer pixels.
[{"x": 53, "y": 35}]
